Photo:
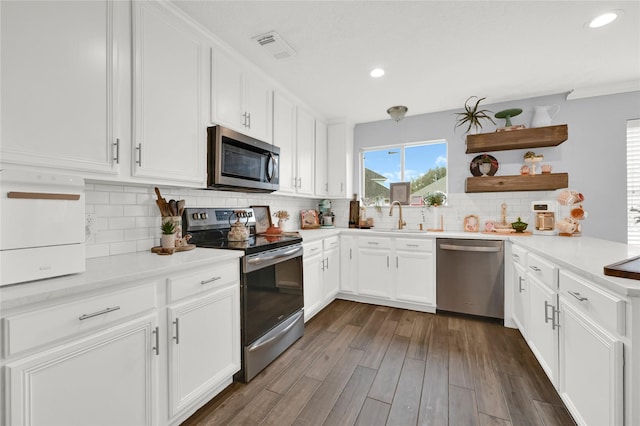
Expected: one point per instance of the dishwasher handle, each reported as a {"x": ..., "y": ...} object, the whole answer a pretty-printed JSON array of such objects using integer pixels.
[{"x": 484, "y": 249}]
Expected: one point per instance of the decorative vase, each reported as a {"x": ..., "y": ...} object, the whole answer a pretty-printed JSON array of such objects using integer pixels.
[
  {"x": 281, "y": 224},
  {"x": 436, "y": 218},
  {"x": 168, "y": 240},
  {"x": 485, "y": 168}
]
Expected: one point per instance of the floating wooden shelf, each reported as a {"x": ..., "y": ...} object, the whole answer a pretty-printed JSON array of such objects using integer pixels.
[
  {"x": 518, "y": 139},
  {"x": 542, "y": 182}
]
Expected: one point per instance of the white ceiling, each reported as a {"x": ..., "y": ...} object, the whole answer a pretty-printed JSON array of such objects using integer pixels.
[{"x": 436, "y": 53}]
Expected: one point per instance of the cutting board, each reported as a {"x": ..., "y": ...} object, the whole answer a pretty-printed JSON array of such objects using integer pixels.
[{"x": 629, "y": 268}]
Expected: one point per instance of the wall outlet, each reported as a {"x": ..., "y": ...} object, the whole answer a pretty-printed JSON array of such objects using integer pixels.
[{"x": 89, "y": 225}]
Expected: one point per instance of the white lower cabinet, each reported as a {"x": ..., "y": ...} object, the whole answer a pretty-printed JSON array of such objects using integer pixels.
[
  {"x": 147, "y": 353},
  {"x": 591, "y": 375},
  {"x": 348, "y": 272},
  {"x": 577, "y": 332},
  {"x": 204, "y": 345},
  {"x": 390, "y": 271},
  {"x": 414, "y": 271},
  {"x": 321, "y": 268},
  {"x": 105, "y": 379},
  {"x": 543, "y": 331}
]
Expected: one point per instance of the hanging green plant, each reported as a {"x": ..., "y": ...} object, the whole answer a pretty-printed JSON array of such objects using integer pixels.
[{"x": 472, "y": 116}]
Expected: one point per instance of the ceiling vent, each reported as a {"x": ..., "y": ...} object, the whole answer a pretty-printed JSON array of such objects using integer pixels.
[{"x": 276, "y": 45}]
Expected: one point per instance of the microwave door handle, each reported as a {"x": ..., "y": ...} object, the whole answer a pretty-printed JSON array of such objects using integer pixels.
[{"x": 272, "y": 167}]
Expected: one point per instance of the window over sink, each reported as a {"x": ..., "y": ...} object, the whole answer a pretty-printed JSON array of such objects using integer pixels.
[
  {"x": 633, "y": 181},
  {"x": 423, "y": 164}
]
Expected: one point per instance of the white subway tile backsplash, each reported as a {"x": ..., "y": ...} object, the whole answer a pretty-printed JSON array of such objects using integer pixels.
[
  {"x": 107, "y": 210},
  {"x": 109, "y": 236},
  {"x": 136, "y": 210},
  {"x": 122, "y": 198},
  {"x": 96, "y": 197},
  {"x": 122, "y": 247},
  {"x": 122, "y": 223},
  {"x": 107, "y": 187},
  {"x": 97, "y": 250}
]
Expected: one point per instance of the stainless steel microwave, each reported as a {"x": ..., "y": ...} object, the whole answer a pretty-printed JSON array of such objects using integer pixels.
[{"x": 237, "y": 162}]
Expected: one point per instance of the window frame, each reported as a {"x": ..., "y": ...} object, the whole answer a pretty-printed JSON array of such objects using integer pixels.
[{"x": 402, "y": 147}]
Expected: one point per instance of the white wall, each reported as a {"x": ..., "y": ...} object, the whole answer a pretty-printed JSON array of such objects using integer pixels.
[{"x": 594, "y": 155}]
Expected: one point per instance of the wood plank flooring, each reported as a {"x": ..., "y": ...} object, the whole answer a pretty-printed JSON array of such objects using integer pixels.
[{"x": 360, "y": 364}]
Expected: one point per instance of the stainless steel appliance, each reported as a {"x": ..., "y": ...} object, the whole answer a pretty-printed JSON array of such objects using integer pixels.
[
  {"x": 271, "y": 293},
  {"x": 42, "y": 220},
  {"x": 241, "y": 163},
  {"x": 544, "y": 217},
  {"x": 470, "y": 277}
]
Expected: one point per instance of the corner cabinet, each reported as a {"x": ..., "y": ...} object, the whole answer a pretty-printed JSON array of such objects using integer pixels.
[
  {"x": 517, "y": 139},
  {"x": 169, "y": 96}
]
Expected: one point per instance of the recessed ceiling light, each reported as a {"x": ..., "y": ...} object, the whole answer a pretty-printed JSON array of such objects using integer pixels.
[
  {"x": 604, "y": 19},
  {"x": 378, "y": 72}
]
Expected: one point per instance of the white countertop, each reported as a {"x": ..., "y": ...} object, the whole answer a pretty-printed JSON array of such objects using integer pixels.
[
  {"x": 104, "y": 272},
  {"x": 584, "y": 256}
]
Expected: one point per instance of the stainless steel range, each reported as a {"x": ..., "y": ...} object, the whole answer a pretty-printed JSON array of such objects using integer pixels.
[{"x": 272, "y": 315}]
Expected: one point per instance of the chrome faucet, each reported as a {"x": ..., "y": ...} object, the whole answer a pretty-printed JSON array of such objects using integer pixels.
[{"x": 401, "y": 223}]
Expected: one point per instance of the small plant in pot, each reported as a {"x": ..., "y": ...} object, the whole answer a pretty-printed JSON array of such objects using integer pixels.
[
  {"x": 168, "y": 239},
  {"x": 472, "y": 117},
  {"x": 435, "y": 199}
]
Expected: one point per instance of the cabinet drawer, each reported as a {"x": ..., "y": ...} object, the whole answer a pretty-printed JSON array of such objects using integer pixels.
[
  {"x": 604, "y": 308},
  {"x": 36, "y": 328},
  {"x": 519, "y": 255},
  {"x": 374, "y": 242},
  {"x": 331, "y": 242},
  {"x": 313, "y": 248},
  {"x": 203, "y": 281},
  {"x": 414, "y": 245},
  {"x": 542, "y": 269}
]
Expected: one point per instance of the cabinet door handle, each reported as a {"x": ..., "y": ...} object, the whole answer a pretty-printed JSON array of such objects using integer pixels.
[
  {"x": 326, "y": 187},
  {"x": 139, "y": 149},
  {"x": 116, "y": 146},
  {"x": 396, "y": 262},
  {"x": 577, "y": 296},
  {"x": 547, "y": 305},
  {"x": 520, "y": 289},
  {"x": 157, "y": 346},
  {"x": 350, "y": 254},
  {"x": 327, "y": 259},
  {"x": 177, "y": 336},
  {"x": 341, "y": 187},
  {"x": 210, "y": 280},
  {"x": 535, "y": 268},
  {"x": 387, "y": 262},
  {"x": 249, "y": 119},
  {"x": 95, "y": 314}
]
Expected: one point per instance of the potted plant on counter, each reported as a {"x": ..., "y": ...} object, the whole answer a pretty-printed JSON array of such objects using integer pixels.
[{"x": 168, "y": 239}]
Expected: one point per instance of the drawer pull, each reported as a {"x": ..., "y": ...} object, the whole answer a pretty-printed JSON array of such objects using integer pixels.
[
  {"x": 577, "y": 296},
  {"x": 535, "y": 268},
  {"x": 516, "y": 256},
  {"x": 210, "y": 281},
  {"x": 375, "y": 243},
  {"x": 95, "y": 314},
  {"x": 412, "y": 245}
]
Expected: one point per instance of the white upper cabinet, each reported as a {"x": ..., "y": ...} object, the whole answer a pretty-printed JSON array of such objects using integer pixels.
[
  {"x": 240, "y": 99},
  {"x": 305, "y": 151},
  {"x": 59, "y": 83},
  {"x": 284, "y": 133},
  {"x": 169, "y": 97},
  {"x": 321, "y": 160},
  {"x": 340, "y": 160}
]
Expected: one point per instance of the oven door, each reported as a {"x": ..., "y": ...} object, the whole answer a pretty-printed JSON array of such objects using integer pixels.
[{"x": 272, "y": 289}]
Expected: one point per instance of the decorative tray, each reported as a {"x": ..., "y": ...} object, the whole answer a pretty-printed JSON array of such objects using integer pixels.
[
  {"x": 629, "y": 268},
  {"x": 160, "y": 250}
]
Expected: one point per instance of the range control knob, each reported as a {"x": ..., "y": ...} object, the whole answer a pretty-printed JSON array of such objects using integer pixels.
[
  {"x": 196, "y": 216},
  {"x": 204, "y": 215}
]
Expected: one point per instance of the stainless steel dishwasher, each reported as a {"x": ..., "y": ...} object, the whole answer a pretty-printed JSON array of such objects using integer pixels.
[{"x": 470, "y": 277}]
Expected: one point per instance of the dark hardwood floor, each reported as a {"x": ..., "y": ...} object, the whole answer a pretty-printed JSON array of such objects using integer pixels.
[{"x": 360, "y": 364}]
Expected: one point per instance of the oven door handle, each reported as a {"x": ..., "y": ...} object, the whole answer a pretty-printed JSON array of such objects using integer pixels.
[
  {"x": 294, "y": 321},
  {"x": 260, "y": 259}
]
